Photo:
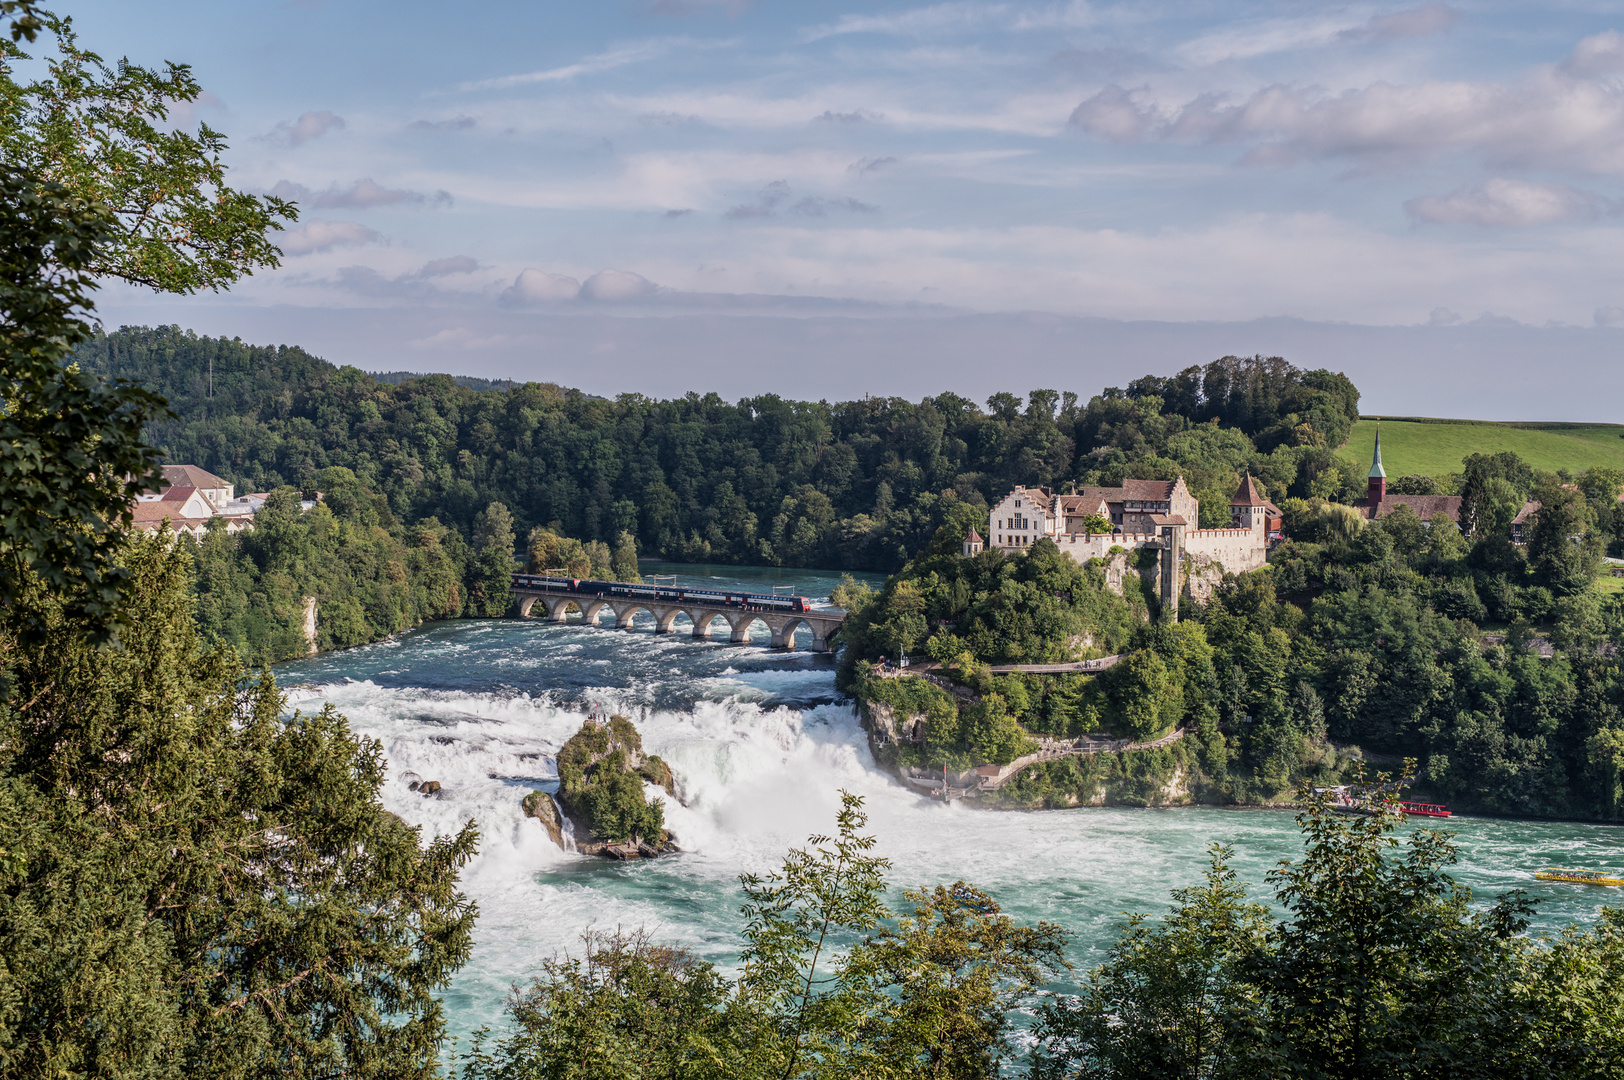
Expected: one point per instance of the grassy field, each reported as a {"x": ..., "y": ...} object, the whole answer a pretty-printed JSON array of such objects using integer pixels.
[{"x": 1433, "y": 447}]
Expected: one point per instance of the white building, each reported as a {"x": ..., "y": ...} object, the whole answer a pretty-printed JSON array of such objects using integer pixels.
[
  {"x": 1143, "y": 513},
  {"x": 189, "y": 498}
]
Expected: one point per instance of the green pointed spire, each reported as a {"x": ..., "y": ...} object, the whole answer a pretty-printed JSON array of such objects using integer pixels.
[{"x": 1376, "y": 459}]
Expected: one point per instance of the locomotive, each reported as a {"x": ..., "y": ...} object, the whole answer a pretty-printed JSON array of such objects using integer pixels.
[{"x": 709, "y": 597}]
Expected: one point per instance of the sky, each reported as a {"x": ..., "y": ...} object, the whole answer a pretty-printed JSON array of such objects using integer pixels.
[{"x": 830, "y": 199}]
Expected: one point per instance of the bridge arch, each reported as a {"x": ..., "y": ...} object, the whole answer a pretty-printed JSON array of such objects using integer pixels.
[
  {"x": 702, "y": 619},
  {"x": 784, "y": 632},
  {"x": 558, "y": 609},
  {"x": 665, "y": 620},
  {"x": 626, "y": 612}
]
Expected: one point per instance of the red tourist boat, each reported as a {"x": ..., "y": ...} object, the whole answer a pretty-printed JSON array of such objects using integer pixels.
[{"x": 1424, "y": 809}]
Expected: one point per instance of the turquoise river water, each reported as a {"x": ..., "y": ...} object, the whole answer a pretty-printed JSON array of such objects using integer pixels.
[{"x": 761, "y": 744}]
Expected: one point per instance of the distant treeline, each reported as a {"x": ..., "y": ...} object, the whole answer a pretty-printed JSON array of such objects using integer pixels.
[{"x": 857, "y": 484}]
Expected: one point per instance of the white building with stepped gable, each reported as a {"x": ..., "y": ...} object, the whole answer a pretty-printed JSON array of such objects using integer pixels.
[{"x": 1160, "y": 514}]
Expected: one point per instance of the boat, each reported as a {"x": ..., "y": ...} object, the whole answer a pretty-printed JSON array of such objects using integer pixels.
[
  {"x": 1424, "y": 809},
  {"x": 1579, "y": 877},
  {"x": 977, "y": 902}
]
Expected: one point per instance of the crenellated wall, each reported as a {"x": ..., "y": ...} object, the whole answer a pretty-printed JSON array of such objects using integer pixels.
[{"x": 1238, "y": 550}]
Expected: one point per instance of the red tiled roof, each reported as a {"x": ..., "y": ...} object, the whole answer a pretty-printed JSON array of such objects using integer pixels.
[
  {"x": 1147, "y": 490},
  {"x": 191, "y": 476},
  {"x": 1530, "y": 508},
  {"x": 974, "y": 537},
  {"x": 1168, "y": 519},
  {"x": 1248, "y": 495},
  {"x": 178, "y": 493},
  {"x": 1426, "y": 507},
  {"x": 151, "y": 514}
]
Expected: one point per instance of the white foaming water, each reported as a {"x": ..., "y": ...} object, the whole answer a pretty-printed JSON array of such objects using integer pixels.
[{"x": 760, "y": 748}]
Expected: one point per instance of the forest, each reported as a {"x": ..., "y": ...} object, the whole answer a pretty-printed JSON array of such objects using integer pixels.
[
  {"x": 195, "y": 882},
  {"x": 858, "y": 485},
  {"x": 1495, "y": 665}
]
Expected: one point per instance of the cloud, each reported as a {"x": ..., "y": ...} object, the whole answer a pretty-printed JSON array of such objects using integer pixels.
[
  {"x": 540, "y": 287},
  {"x": 1611, "y": 315},
  {"x": 311, "y": 125},
  {"x": 1442, "y": 316},
  {"x": 677, "y": 213},
  {"x": 1567, "y": 116},
  {"x": 455, "y": 123},
  {"x": 453, "y": 264},
  {"x": 811, "y": 207},
  {"x": 1512, "y": 203},
  {"x": 1417, "y": 22},
  {"x": 857, "y": 116},
  {"x": 767, "y": 200},
  {"x": 612, "y": 285},
  {"x": 359, "y": 195},
  {"x": 694, "y": 7},
  {"x": 1596, "y": 57},
  {"x": 870, "y": 165},
  {"x": 315, "y": 236},
  {"x": 1245, "y": 40},
  {"x": 604, "y": 61},
  {"x": 956, "y": 18},
  {"x": 457, "y": 337}
]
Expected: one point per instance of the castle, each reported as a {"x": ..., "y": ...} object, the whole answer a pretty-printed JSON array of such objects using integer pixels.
[{"x": 1158, "y": 514}]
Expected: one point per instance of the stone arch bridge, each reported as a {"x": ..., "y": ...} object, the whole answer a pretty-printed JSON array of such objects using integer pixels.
[{"x": 782, "y": 625}]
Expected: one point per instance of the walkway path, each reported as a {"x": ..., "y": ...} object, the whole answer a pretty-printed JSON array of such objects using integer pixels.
[{"x": 1052, "y": 750}]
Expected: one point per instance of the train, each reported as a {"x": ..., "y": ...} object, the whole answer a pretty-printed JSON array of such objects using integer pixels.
[{"x": 709, "y": 597}]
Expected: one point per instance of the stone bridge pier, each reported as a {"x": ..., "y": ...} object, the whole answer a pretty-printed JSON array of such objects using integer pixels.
[{"x": 781, "y": 626}]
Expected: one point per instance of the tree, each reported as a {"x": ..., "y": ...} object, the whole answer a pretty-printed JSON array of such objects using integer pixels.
[
  {"x": 627, "y": 1009},
  {"x": 624, "y": 562},
  {"x": 1138, "y": 692},
  {"x": 192, "y": 882},
  {"x": 962, "y": 968},
  {"x": 490, "y": 585},
  {"x": 1563, "y": 555},
  {"x": 72, "y": 457},
  {"x": 1379, "y": 967},
  {"x": 102, "y": 135},
  {"x": 814, "y": 998},
  {"x": 831, "y": 986},
  {"x": 1159, "y": 1005}
]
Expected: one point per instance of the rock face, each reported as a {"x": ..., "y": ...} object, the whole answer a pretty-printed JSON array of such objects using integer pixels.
[
  {"x": 601, "y": 772},
  {"x": 540, "y": 805}
]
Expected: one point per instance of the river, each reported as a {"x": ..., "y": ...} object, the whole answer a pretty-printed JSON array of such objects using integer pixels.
[{"x": 761, "y": 745}]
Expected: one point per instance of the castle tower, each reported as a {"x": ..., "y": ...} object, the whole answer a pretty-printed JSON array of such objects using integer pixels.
[
  {"x": 1377, "y": 483},
  {"x": 1248, "y": 508},
  {"x": 1172, "y": 557},
  {"x": 972, "y": 544}
]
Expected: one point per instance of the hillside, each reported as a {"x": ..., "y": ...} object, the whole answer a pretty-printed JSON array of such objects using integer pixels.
[{"x": 1417, "y": 445}]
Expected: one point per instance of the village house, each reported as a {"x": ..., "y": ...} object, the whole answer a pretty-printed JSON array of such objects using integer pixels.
[{"x": 189, "y": 498}]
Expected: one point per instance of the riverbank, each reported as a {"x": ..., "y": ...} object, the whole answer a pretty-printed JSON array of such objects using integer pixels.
[
  {"x": 1092, "y": 770},
  {"x": 760, "y": 744}
]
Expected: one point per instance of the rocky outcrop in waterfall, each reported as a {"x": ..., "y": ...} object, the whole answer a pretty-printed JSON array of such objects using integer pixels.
[
  {"x": 540, "y": 805},
  {"x": 601, "y": 772}
]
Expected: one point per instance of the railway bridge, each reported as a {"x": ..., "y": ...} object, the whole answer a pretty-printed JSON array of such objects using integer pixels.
[{"x": 664, "y": 605}]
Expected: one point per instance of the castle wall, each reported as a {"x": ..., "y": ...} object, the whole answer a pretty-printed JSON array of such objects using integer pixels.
[{"x": 1238, "y": 550}]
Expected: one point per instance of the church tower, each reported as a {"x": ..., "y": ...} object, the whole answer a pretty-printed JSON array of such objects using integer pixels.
[{"x": 1377, "y": 483}]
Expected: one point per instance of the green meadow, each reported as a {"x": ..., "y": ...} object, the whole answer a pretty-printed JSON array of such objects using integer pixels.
[{"x": 1416, "y": 445}]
